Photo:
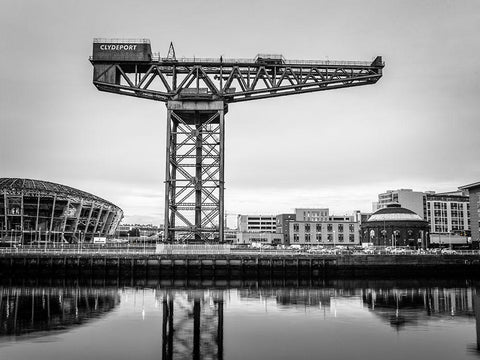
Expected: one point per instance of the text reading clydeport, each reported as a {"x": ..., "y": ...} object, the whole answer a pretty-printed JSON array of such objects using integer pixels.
[{"x": 117, "y": 47}]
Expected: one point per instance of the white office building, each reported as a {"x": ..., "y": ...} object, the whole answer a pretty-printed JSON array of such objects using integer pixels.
[
  {"x": 258, "y": 229},
  {"x": 257, "y": 223},
  {"x": 407, "y": 198}
]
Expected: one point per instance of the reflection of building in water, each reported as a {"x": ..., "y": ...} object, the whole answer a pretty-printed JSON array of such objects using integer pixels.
[
  {"x": 26, "y": 310},
  {"x": 409, "y": 306},
  {"x": 192, "y": 315},
  {"x": 304, "y": 297}
]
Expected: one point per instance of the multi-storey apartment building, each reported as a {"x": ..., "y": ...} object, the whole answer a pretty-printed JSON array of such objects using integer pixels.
[{"x": 448, "y": 212}]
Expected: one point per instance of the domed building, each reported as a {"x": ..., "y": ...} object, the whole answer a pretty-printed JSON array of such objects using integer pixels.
[
  {"x": 396, "y": 226},
  {"x": 34, "y": 211}
]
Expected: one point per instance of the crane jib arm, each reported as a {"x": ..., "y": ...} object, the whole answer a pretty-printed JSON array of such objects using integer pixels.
[{"x": 128, "y": 67}]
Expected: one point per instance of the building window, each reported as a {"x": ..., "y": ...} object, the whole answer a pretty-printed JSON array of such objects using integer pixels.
[
  {"x": 318, "y": 236},
  {"x": 319, "y": 227},
  {"x": 340, "y": 237},
  {"x": 307, "y": 237},
  {"x": 307, "y": 227},
  {"x": 329, "y": 237},
  {"x": 340, "y": 227},
  {"x": 351, "y": 228},
  {"x": 329, "y": 227},
  {"x": 295, "y": 237},
  {"x": 351, "y": 237},
  {"x": 295, "y": 227}
]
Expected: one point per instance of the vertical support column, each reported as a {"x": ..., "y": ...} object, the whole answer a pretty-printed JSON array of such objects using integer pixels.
[
  {"x": 51, "y": 218},
  {"x": 221, "y": 214},
  {"x": 5, "y": 213},
  {"x": 169, "y": 184},
  {"x": 97, "y": 221},
  {"x": 87, "y": 224},
  {"x": 198, "y": 176},
  {"x": 77, "y": 218},
  {"x": 64, "y": 225},
  {"x": 194, "y": 174},
  {"x": 36, "y": 218},
  {"x": 22, "y": 227}
]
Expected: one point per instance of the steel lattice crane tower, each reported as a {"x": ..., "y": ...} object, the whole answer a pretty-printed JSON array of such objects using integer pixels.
[{"x": 197, "y": 93}]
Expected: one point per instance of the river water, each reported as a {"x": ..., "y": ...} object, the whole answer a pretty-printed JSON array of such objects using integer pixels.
[{"x": 336, "y": 319}]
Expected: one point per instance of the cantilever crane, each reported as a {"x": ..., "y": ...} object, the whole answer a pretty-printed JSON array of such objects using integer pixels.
[{"x": 197, "y": 93}]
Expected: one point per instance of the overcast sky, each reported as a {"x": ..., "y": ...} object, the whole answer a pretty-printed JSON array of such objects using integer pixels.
[{"x": 418, "y": 127}]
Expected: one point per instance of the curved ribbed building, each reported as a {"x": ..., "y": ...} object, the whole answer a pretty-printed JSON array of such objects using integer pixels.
[{"x": 33, "y": 211}]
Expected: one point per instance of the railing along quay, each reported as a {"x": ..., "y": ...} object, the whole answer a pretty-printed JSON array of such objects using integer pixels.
[{"x": 153, "y": 251}]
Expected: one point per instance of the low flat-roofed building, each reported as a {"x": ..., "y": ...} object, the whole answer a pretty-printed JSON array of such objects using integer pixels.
[{"x": 266, "y": 238}]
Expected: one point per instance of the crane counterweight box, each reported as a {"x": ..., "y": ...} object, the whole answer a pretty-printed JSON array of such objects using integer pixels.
[{"x": 122, "y": 50}]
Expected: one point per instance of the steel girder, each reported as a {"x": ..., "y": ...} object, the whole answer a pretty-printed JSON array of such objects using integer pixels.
[
  {"x": 230, "y": 80},
  {"x": 194, "y": 183}
]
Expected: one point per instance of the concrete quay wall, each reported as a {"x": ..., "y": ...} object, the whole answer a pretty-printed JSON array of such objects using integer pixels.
[{"x": 238, "y": 265}]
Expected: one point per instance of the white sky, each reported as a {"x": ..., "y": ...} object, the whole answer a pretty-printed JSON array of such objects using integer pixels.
[{"x": 418, "y": 127}]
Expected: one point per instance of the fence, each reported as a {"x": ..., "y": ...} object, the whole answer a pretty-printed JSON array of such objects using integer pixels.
[{"x": 192, "y": 249}]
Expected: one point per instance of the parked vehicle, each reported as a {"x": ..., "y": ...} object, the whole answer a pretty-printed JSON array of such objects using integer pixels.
[
  {"x": 398, "y": 251},
  {"x": 448, "y": 252}
]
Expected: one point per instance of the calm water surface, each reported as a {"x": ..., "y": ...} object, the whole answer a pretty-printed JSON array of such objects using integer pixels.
[{"x": 244, "y": 320}]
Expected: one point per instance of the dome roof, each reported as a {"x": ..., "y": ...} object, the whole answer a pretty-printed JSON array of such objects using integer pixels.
[
  {"x": 394, "y": 212},
  {"x": 45, "y": 187}
]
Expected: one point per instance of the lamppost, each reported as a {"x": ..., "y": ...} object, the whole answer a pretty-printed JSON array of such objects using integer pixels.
[
  {"x": 334, "y": 234},
  {"x": 394, "y": 237}
]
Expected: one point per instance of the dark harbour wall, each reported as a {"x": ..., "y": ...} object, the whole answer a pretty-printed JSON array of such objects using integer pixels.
[{"x": 236, "y": 266}]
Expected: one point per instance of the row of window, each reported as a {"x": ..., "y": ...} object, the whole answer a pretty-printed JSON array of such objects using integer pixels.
[
  {"x": 330, "y": 238},
  {"x": 443, "y": 205},
  {"x": 318, "y": 228}
]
